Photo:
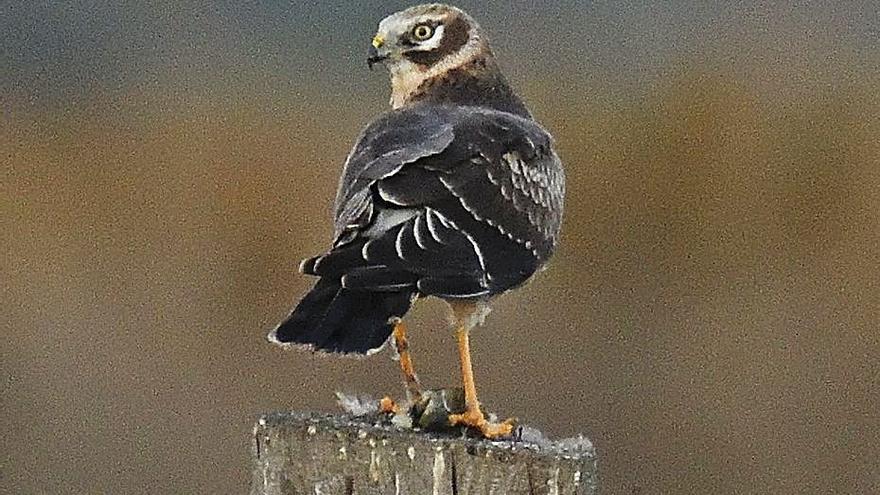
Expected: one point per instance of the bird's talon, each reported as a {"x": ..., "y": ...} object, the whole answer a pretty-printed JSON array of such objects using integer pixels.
[
  {"x": 477, "y": 421},
  {"x": 388, "y": 406}
]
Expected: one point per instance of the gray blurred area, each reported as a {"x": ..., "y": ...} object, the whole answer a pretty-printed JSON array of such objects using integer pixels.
[{"x": 710, "y": 322}]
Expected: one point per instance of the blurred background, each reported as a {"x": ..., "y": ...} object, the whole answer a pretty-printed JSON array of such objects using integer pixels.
[{"x": 711, "y": 321}]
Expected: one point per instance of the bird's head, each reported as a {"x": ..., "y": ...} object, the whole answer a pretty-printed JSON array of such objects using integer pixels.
[{"x": 424, "y": 42}]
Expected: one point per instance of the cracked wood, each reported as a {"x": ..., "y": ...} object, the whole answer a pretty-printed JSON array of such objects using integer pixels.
[{"x": 324, "y": 454}]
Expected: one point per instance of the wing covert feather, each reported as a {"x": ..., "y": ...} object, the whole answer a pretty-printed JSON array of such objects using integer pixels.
[{"x": 480, "y": 192}]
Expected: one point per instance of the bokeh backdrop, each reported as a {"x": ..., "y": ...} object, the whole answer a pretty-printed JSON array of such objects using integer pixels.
[{"x": 710, "y": 322}]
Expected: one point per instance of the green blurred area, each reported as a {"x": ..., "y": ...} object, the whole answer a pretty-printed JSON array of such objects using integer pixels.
[{"x": 710, "y": 322}]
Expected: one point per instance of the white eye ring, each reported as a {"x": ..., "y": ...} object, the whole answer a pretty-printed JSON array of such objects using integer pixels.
[{"x": 422, "y": 32}]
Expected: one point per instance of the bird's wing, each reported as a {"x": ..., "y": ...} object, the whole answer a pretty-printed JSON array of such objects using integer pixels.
[
  {"x": 384, "y": 147},
  {"x": 457, "y": 202},
  {"x": 502, "y": 170}
]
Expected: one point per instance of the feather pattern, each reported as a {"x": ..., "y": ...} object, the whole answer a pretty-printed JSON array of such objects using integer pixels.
[
  {"x": 477, "y": 204},
  {"x": 456, "y": 193}
]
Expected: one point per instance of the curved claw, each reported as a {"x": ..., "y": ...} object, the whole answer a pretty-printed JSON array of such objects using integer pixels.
[
  {"x": 477, "y": 421},
  {"x": 388, "y": 406}
]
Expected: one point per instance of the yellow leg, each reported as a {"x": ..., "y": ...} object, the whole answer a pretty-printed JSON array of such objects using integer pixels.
[
  {"x": 473, "y": 415},
  {"x": 413, "y": 387},
  {"x": 410, "y": 380}
]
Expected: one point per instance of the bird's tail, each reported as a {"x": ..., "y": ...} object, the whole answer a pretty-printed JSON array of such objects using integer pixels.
[{"x": 332, "y": 319}]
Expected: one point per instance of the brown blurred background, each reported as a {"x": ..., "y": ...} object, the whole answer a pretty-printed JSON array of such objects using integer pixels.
[{"x": 711, "y": 321}]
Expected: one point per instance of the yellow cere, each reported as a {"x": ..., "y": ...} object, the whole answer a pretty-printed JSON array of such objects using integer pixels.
[{"x": 378, "y": 41}]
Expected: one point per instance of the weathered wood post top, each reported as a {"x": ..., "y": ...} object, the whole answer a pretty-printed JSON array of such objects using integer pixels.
[{"x": 320, "y": 454}]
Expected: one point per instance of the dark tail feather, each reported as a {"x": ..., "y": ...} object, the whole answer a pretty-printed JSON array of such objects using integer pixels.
[{"x": 332, "y": 319}]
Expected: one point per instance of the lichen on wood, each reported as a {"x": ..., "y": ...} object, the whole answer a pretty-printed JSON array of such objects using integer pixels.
[{"x": 315, "y": 454}]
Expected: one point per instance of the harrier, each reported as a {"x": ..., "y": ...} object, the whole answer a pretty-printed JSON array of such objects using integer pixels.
[{"x": 456, "y": 193}]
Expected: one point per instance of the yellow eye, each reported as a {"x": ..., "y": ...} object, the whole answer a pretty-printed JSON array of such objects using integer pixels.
[{"x": 422, "y": 32}]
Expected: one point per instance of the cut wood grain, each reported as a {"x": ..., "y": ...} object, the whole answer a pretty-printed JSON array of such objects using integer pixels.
[{"x": 319, "y": 454}]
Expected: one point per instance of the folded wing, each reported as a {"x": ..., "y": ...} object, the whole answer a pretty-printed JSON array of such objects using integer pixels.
[{"x": 454, "y": 202}]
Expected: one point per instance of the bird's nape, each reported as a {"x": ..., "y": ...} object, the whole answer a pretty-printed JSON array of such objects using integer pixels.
[{"x": 457, "y": 193}]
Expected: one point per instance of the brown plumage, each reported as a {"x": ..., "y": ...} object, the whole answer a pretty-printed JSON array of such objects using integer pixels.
[
  {"x": 456, "y": 193},
  {"x": 455, "y": 36}
]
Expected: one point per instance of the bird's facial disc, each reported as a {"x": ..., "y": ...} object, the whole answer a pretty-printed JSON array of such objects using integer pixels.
[{"x": 422, "y": 37}]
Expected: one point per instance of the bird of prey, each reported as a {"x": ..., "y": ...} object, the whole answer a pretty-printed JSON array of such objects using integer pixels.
[{"x": 456, "y": 193}]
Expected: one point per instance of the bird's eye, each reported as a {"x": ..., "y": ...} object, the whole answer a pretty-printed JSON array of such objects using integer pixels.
[{"x": 422, "y": 32}]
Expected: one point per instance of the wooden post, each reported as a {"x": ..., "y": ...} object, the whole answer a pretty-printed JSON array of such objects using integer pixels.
[{"x": 315, "y": 454}]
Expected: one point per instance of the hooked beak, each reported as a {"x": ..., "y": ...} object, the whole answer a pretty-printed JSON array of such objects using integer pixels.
[
  {"x": 374, "y": 58},
  {"x": 373, "y": 55}
]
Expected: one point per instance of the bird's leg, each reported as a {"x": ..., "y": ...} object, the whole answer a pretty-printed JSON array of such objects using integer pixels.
[
  {"x": 401, "y": 343},
  {"x": 413, "y": 387},
  {"x": 465, "y": 319}
]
